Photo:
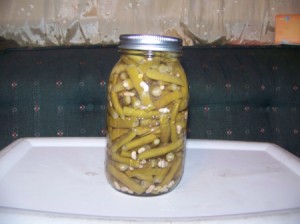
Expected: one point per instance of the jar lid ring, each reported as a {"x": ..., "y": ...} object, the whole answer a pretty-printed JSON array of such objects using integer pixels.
[{"x": 150, "y": 42}]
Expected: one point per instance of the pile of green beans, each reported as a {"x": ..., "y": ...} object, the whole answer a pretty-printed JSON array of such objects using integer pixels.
[{"x": 146, "y": 123}]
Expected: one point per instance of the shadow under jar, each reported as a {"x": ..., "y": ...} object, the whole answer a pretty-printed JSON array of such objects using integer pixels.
[{"x": 147, "y": 101}]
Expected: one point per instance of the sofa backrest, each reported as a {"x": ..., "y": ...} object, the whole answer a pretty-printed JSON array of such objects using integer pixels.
[{"x": 236, "y": 93}]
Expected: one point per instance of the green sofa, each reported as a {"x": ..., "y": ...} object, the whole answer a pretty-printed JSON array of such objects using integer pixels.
[{"x": 236, "y": 92}]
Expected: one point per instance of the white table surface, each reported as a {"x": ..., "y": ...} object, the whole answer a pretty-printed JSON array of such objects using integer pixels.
[{"x": 43, "y": 180}]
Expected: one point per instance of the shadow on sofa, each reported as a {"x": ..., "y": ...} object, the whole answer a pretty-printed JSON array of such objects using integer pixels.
[{"x": 236, "y": 93}]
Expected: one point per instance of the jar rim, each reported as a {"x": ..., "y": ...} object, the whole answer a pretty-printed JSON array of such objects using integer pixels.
[{"x": 150, "y": 42}]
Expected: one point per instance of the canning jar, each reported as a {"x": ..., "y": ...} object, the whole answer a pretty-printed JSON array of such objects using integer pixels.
[{"x": 147, "y": 101}]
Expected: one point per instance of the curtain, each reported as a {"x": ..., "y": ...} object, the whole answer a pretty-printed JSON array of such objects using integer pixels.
[{"x": 87, "y": 22}]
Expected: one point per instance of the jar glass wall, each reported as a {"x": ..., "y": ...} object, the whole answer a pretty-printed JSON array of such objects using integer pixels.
[{"x": 147, "y": 99}]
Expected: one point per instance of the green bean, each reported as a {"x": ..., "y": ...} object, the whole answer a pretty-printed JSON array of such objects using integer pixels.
[
  {"x": 145, "y": 66},
  {"x": 183, "y": 104},
  {"x": 140, "y": 176},
  {"x": 119, "y": 68},
  {"x": 146, "y": 171},
  {"x": 165, "y": 92},
  {"x": 125, "y": 154},
  {"x": 173, "y": 130},
  {"x": 182, "y": 75},
  {"x": 126, "y": 100},
  {"x": 116, "y": 104},
  {"x": 125, "y": 160},
  {"x": 136, "y": 103},
  {"x": 146, "y": 130},
  {"x": 128, "y": 61},
  {"x": 139, "y": 142},
  {"x": 120, "y": 166},
  {"x": 123, "y": 140},
  {"x": 118, "y": 87},
  {"x": 174, "y": 136},
  {"x": 173, "y": 87},
  {"x": 159, "y": 177},
  {"x": 132, "y": 112},
  {"x": 175, "y": 110},
  {"x": 180, "y": 125},
  {"x": 167, "y": 99},
  {"x": 165, "y": 128},
  {"x": 113, "y": 112},
  {"x": 149, "y": 123},
  {"x": 122, "y": 85},
  {"x": 115, "y": 133},
  {"x": 181, "y": 116},
  {"x": 159, "y": 151},
  {"x": 173, "y": 170},
  {"x": 127, "y": 122},
  {"x": 115, "y": 101},
  {"x": 180, "y": 149},
  {"x": 156, "y": 75},
  {"x": 164, "y": 68},
  {"x": 137, "y": 80},
  {"x": 142, "y": 130},
  {"x": 121, "y": 177},
  {"x": 136, "y": 58}
]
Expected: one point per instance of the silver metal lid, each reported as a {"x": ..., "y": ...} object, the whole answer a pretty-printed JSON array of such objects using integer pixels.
[{"x": 150, "y": 42}]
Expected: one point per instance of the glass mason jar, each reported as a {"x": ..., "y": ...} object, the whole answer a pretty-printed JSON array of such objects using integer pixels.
[{"x": 147, "y": 115}]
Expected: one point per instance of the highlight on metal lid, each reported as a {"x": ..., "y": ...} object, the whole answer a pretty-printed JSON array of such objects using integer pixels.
[{"x": 150, "y": 42}]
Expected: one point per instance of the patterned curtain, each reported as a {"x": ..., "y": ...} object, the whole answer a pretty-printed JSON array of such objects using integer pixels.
[{"x": 86, "y": 22}]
